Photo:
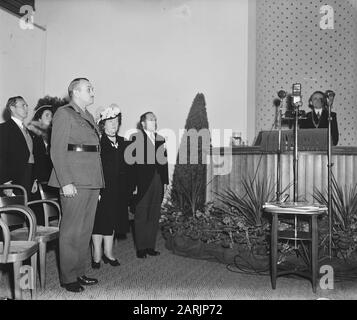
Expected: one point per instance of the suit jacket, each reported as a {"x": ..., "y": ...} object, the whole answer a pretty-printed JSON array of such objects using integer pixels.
[
  {"x": 14, "y": 152},
  {"x": 71, "y": 125},
  {"x": 312, "y": 119},
  {"x": 149, "y": 158}
]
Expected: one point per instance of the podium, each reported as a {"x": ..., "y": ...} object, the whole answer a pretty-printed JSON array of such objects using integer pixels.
[{"x": 308, "y": 140}]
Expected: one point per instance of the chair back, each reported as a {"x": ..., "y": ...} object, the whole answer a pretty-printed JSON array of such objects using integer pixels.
[
  {"x": 19, "y": 198},
  {"x": 28, "y": 218},
  {"x": 5, "y": 243},
  {"x": 48, "y": 193}
]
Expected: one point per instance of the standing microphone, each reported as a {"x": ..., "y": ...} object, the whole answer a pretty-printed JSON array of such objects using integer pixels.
[
  {"x": 276, "y": 102},
  {"x": 282, "y": 94},
  {"x": 329, "y": 94}
]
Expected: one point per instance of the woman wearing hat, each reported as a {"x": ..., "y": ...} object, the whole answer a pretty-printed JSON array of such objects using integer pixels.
[
  {"x": 40, "y": 130},
  {"x": 112, "y": 210},
  {"x": 40, "y": 126}
]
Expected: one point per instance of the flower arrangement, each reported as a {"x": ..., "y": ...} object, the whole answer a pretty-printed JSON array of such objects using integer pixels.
[
  {"x": 235, "y": 223},
  {"x": 225, "y": 228}
]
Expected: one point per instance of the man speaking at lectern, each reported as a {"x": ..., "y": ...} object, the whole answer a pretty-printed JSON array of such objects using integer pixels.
[{"x": 318, "y": 117}]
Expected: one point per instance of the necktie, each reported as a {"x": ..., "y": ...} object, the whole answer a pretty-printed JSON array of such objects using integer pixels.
[
  {"x": 152, "y": 137},
  {"x": 29, "y": 143}
]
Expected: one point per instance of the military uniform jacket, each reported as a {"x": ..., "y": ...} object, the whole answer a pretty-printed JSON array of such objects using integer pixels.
[{"x": 71, "y": 125}]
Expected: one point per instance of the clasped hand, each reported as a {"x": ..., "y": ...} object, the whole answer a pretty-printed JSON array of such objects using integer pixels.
[{"x": 69, "y": 190}]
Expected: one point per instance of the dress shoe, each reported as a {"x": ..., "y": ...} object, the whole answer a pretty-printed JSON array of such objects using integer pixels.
[
  {"x": 85, "y": 281},
  {"x": 113, "y": 263},
  {"x": 141, "y": 254},
  {"x": 73, "y": 287},
  {"x": 152, "y": 252},
  {"x": 95, "y": 265}
]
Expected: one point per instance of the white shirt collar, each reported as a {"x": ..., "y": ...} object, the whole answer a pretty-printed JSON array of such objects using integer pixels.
[
  {"x": 18, "y": 122},
  {"x": 149, "y": 133}
]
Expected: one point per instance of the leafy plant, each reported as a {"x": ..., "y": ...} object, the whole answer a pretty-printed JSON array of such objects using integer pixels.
[
  {"x": 189, "y": 178},
  {"x": 344, "y": 216},
  {"x": 188, "y": 193},
  {"x": 344, "y": 205},
  {"x": 257, "y": 192}
]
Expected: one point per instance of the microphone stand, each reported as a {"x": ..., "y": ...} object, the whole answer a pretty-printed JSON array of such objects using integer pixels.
[
  {"x": 329, "y": 178},
  {"x": 296, "y": 157},
  {"x": 278, "y": 163}
]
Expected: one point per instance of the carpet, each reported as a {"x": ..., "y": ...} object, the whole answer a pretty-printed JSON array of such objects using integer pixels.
[{"x": 173, "y": 277}]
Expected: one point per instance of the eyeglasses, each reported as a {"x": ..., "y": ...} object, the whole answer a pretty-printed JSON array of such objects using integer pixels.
[{"x": 90, "y": 89}]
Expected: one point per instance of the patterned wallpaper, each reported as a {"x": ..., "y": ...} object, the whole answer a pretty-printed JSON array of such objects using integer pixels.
[{"x": 291, "y": 47}]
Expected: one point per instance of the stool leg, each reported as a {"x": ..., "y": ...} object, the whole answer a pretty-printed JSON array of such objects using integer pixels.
[
  {"x": 42, "y": 251},
  {"x": 314, "y": 252},
  {"x": 274, "y": 249},
  {"x": 17, "y": 277}
]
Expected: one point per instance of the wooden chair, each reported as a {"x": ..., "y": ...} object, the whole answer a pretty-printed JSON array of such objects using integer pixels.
[
  {"x": 50, "y": 212},
  {"x": 43, "y": 234},
  {"x": 16, "y": 252}
]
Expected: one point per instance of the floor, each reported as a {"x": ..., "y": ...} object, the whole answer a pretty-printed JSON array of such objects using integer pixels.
[{"x": 174, "y": 277}]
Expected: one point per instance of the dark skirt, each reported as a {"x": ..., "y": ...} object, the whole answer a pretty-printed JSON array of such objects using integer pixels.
[{"x": 112, "y": 211}]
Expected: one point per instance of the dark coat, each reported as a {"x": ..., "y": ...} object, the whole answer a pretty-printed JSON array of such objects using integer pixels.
[
  {"x": 112, "y": 211},
  {"x": 14, "y": 153},
  {"x": 146, "y": 154},
  {"x": 43, "y": 163},
  {"x": 322, "y": 123}
]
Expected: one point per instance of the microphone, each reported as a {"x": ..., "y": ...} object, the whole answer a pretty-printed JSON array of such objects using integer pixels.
[
  {"x": 276, "y": 102},
  {"x": 329, "y": 94},
  {"x": 282, "y": 94},
  {"x": 298, "y": 104}
]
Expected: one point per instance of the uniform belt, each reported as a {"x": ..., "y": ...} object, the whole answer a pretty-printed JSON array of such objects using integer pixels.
[{"x": 83, "y": 148}]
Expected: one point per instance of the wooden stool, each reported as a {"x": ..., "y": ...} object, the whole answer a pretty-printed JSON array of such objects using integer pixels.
[{"x": 308, "y": 212}]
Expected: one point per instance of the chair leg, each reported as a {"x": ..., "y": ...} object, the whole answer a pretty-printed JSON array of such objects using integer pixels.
[
  {"x": 274, "y": 250},
  {"x": 34, "y": 272},
  {"x": 43, "y": 249},
  {"x": 17, "y": 279}
]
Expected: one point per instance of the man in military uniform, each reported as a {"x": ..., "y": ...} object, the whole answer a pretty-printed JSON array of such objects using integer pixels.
[{"x": 77, "y": 171}]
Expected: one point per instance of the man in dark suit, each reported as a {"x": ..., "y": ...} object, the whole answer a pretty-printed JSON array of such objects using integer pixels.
[
  {"x": 318, "y": 117},
  {"x": 77, "y": 171},
  {"x": 149, "y": 176},
  {"x": 16, "y": 147}
]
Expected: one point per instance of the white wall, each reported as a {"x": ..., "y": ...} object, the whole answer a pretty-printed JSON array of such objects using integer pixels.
[
  {"x": 22, "y": 62},
  {"x": 143, "y": 55},
  {"x": 152, "y": 55}
]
